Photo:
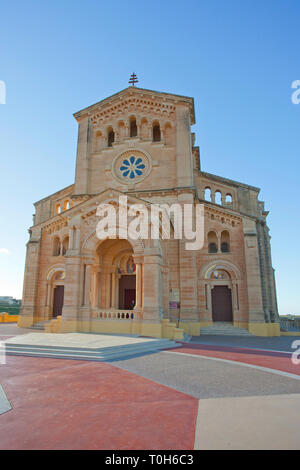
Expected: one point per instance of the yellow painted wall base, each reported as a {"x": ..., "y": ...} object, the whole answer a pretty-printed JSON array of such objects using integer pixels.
[
  {"x": 241, "y": 324},
  {"x": 190, "y": 328},
  {"x": 290, "y": 333},
  {"x": 25, "y": 321},
  {"x": 264, "y": 329},
  {"x": 6, "y": 318},
  {"x": 54, "y": 325},
  {"x": 203, "y": 324},
  {"x": 163, "y": 329}
]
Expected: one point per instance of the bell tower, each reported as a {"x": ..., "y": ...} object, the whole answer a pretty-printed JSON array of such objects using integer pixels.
[{"x": 135, "y": 139}]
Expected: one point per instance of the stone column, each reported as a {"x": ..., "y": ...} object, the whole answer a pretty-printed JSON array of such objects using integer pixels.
[
  {"x": 48, "y": 300},
  {"x": 31, "y": 282},
  {"x": 138, "y": 279},
  {"x": 99, "y": 283},
  {"x": 152, "y": 285},
  {"x": 161, "y": 133},
  {"x": 72, "y": 294},
  {"x": 209, "y": 300},
  {"x": 138, "y": 127},
  {"x": 71, "y": 238},
  {"x": 94, "y": 292},
  {"x": 254, "y": 281},
  {"x": 113, "y": 290},
  {"x": 77, "y": 238},
  {"x": 87, "y": 285},
  {"x": 188, "y": 274},
  {"x": 219, "y": 242}
]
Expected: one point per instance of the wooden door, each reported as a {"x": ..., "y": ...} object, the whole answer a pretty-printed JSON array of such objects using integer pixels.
[
  {"x": 221, "y": 304},
  {"x": 129, "y": 298},
  {"x": 126, "y": 283},
  {"x": 58, "y": 300}
]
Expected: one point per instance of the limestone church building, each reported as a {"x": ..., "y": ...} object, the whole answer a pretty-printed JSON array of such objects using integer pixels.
[{"x": 76, "y": 282}]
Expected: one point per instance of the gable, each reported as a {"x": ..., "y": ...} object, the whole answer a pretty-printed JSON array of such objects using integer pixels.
[{"x": 138, "y": 99}]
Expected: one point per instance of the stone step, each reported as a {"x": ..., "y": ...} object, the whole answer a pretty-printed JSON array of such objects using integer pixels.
[
  {"x": 221, "y": 328},
  {"x": 88, "y": 354},
  {"x": 39, "y": 325}
]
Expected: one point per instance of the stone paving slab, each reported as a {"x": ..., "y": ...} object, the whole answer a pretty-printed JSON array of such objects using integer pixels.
[
  {"x": 4, "y": 403},
  {"x": 86, "y": 405},
  {"x": 280, "y": 343},
  {"x": 205, "y": 378},
  {"x": 77, "y": 340},
  {"x": 249, "y": 423}
]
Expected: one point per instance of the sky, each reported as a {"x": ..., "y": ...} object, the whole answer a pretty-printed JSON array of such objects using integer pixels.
[{"x": 237, "y": 58}]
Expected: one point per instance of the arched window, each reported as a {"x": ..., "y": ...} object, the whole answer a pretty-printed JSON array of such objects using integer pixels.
[
  {"x": 57, "y": 209},
  {"x": 156, "y": 132},
  {"x": 66, "y": 205},
  {"x": 228, "y": 199},
  {"x": 207, "y": 194},
  {"x": 218, "y": 198},
  {"x": 212, "y": 242},
  {"x": 225, "y": 241},
  {"x": 65, "y": 245},
  {"x": 110, "y": 137},
  {"x": 133, "y": 127},
  {"x": 56, "y": 246}
]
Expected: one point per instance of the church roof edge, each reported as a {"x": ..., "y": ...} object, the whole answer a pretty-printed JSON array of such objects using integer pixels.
[{"x": 171, "y": 96}]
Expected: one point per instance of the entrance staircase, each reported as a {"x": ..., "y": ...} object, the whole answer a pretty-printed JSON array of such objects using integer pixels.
[
  {"x": 224, "y": 329},
  {"x": 85, "y": 353},
  {"x": 39, "y": 325}
]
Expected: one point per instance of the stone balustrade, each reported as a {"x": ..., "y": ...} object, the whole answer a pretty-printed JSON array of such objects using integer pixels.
[{"x": 114, "y": 315}]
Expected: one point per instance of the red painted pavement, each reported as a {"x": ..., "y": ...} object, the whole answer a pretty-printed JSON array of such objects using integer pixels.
[
  {"x": 270, "y": 359},
  {"x": 64, "y": 404}
]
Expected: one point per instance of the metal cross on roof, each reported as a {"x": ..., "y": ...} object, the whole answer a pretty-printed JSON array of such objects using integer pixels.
[{"x": 133, "y": 79}]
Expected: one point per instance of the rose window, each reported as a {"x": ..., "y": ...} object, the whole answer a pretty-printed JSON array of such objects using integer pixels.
[{"x": 132, "y": 167}]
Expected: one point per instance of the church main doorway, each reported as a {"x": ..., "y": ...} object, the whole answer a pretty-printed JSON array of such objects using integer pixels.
[
  {"x": 221, "y": 304},
  {"x": 127, "y": 284},
  {"x": 58, "y": 300}
]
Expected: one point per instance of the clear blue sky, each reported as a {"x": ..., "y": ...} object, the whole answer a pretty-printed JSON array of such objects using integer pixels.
[{"x": 236, "y": 58}]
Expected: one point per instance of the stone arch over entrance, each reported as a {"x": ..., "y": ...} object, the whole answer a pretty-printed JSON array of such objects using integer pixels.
[
  {"x": 220, "y": 282},
  {"x": 116, "y": 272},
  {"x": 55, "y": 291},
  {"x": 92, "y": 241},
  {"x": 112, "y": 277}
]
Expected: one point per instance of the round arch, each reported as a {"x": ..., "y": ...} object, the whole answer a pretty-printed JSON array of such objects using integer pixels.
[
  {"x": 232, "y": 269},
  {"x": 55, "y": 290},
  {"x": 92, "y": 242},
  {"x": 219, "y": 282}
]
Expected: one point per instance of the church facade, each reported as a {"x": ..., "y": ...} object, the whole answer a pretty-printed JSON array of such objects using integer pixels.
[{"x": 138, "y": 143}]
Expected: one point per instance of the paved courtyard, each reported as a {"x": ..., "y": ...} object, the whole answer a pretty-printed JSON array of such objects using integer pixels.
[{"x": 210, "y": 393}]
